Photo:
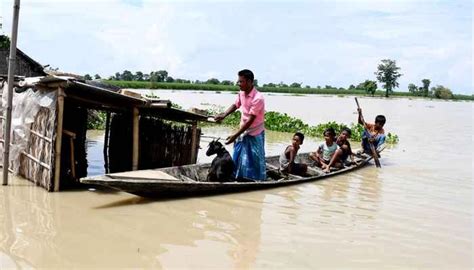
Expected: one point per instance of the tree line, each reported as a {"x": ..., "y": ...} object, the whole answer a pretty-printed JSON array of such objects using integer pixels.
[{"x": 387, "y": 74}]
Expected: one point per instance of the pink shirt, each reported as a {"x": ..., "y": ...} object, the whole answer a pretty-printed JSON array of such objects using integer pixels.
[{"x": 252, "y": 104}]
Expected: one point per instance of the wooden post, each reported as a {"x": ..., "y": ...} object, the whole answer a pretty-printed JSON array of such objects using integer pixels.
[
  {"x": 136, "y": 122},
  {"x": 59, "y": 138},
  {"x": 106, "y": 143},
  {"x": 72, "y": 137},
  {"x": 10, "y": 81},
  {"x": 193, "y": 158}
]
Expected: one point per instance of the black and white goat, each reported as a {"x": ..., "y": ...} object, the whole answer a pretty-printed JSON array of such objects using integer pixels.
[{"x": 222, "y": 166}]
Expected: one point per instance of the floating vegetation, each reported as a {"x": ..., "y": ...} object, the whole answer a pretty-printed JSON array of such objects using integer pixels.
[{"x": 282, "y": 122}]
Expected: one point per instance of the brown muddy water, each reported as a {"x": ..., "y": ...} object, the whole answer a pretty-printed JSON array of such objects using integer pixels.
[{"x": 414, "y": 212}]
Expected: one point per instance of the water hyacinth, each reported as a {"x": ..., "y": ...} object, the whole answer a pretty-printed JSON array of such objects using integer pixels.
[
  {"x": 274, "y": 121},
  {"x": 282, "y": 122}
]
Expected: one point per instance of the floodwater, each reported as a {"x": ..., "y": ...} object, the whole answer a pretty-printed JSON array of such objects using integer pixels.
[{"x": 414, "y": 212}]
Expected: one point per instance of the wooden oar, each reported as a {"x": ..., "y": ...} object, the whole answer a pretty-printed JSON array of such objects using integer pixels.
[{"x": 372, "y": 147}]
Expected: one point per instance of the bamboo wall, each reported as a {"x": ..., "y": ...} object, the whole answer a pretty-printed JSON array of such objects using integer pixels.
[
  {"x": 162, "y": 144},
  {"x": 40, "y": 148}
]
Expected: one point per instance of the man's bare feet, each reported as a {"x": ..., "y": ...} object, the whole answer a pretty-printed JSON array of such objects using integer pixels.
[{"x": 327, "y": 169}]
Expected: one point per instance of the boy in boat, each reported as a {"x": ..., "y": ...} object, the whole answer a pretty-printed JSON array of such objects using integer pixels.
[
  {"x": 327, "y": 155},
  {"x": 373, "y": 133},
  {"x": 288, "y": 158},
  {"x": 345, "y": 146}
]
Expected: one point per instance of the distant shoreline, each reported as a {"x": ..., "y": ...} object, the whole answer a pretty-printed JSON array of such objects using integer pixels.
[{"x": 286, "y": 90}]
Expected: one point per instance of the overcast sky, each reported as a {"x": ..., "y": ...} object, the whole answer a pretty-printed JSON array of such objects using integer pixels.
[{"x": 334, "y": 43}]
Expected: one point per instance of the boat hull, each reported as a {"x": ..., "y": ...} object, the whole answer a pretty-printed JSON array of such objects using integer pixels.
[{"x": 189, "y": 180}]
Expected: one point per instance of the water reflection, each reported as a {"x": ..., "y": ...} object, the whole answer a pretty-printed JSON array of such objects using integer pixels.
[{"x": 27, "y": 225}]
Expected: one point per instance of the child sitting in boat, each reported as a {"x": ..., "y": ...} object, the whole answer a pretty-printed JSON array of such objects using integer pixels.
[
  {"x": 327, "y": 155},
  {"x": 373, "y": 133},
  {"x": 288, "y": 158},
  {"x": 345, "y": 146}
]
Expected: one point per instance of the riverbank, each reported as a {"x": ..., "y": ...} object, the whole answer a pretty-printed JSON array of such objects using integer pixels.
[{"x": 288, "y": 90}]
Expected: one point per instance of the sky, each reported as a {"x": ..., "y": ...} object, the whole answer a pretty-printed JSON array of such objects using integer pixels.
[{"x": 318, "y": 42}]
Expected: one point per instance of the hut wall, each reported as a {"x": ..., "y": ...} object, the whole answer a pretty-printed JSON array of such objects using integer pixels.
[
  {"x": 32, "y": 134},
  {"x": 162, "y": 144},
  {"x": 43, "y": 124}
]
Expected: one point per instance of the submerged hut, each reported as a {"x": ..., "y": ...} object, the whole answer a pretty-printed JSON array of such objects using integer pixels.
[{"x": 49, "y": 125}]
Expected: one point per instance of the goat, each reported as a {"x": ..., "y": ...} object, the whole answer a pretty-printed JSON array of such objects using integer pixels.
[{"x": 222, "y": 166}]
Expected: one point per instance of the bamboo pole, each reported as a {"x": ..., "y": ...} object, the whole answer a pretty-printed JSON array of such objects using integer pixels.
[
  {"x": 59, "y": 138},
  {"x": 10, "y": 81},
  {"x": 193, "y": 143},
  {"x": 136, "y": 122},
  {"x": 73, "y": 161},
  {"x": 44, "y": 165},
  {"x": 106, "y": 142},
  {"x": 41, "y": 136}
]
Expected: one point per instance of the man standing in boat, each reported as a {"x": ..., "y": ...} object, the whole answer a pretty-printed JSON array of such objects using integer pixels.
[{"x": 249, "y": 147}]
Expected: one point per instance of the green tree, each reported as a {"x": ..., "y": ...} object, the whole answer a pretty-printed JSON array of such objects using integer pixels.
[
  {"x": 351, "y": 87},
  {"x": 442, "y": 92},
  {"x": 182, "y": 81},
  {"x": 368, "y": 86},
  {"x": 282, "y": 84},
  {"x": 413, "y": 89},
  {"x": 158, "y": 76},
  {"x": 162, "y": 75},
  {"x": 295, "y": 85},
  {"x": 97, "y": 77},
  {"x": 426, "y": 87},
  {"x": 269, "y": 85},
  {"x": 87, "y": 77},
  {"x": 153, "y": 76},
  {"x": 126, "y": 76},
  {"x": 169, "y": 79},
  {"x": 117, "y": 76},
  {"x": 138, "y": 76},
  {"x": 4, "y": 42},
  {"x": 227, "y": 82},
  {"x": 387, "y": 73},
  {"x": 255, "y": 82},
  {"x": 213, "y": 81}
]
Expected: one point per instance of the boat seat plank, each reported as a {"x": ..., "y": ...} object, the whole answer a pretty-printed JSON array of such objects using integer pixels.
[
  {"x": 315, "y": 170},
  {"x": 144, "y": 174}
]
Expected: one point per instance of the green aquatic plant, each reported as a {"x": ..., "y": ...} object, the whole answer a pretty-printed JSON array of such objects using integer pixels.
[
  {"x": 392, "y": 138},
  {"x": 282, "y": 122}
]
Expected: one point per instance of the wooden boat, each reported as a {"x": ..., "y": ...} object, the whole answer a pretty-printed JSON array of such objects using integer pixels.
[{"x": 190, "y": 180}]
